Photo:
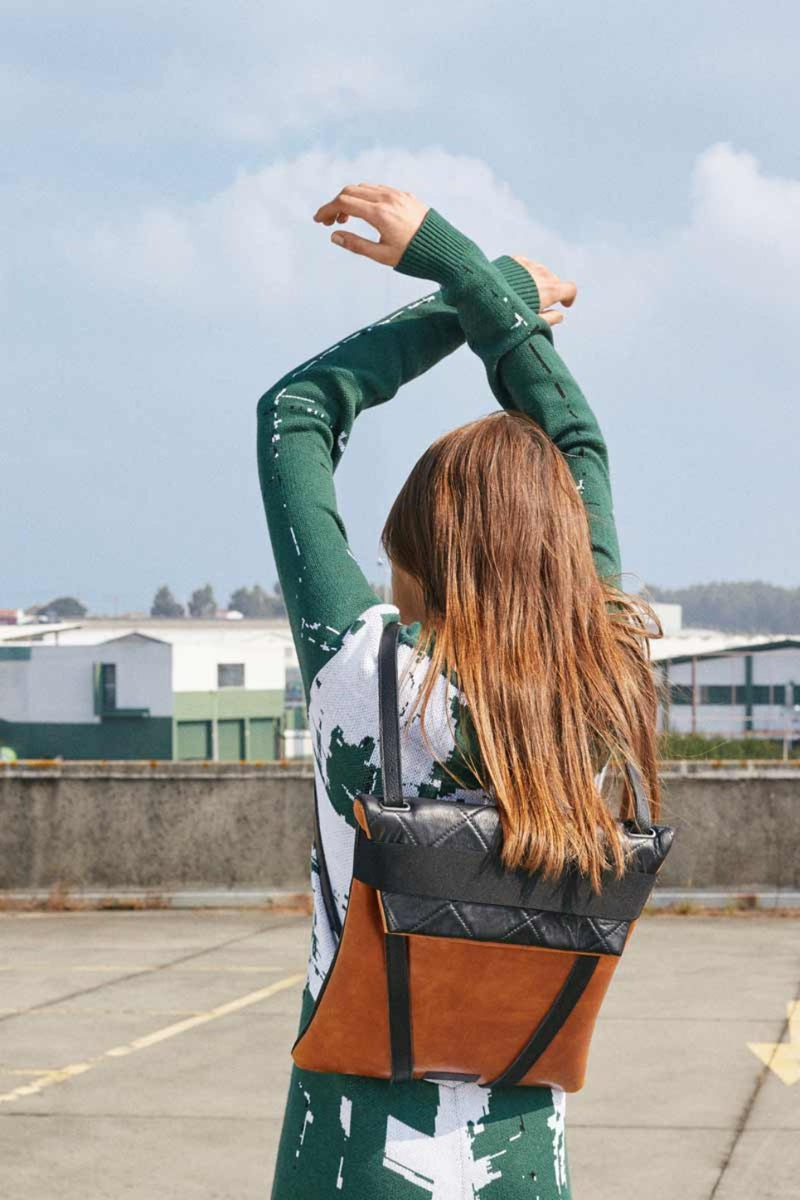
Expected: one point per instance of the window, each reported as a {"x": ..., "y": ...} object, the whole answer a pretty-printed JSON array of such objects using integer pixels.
[
  {"x": 230, "y": 675},
  {"x": 293, "y": 691},
  {"x": 108, "y": 687}
]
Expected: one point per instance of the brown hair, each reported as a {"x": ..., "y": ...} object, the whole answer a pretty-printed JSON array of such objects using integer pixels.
[{"x": 553, "y": 662}]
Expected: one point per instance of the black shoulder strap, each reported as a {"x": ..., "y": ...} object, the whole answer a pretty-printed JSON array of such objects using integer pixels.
[
  {"x": 641, "y": 805},
  {"x": 401, "y": 1043},
  {"x": 389, "y": 717}
]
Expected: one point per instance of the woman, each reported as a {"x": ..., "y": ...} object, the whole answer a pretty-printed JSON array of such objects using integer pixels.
[{"x": 522, "y": 668}]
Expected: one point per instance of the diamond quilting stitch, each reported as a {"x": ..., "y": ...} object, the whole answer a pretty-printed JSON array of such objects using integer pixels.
[{"x": 463, "y": 821}]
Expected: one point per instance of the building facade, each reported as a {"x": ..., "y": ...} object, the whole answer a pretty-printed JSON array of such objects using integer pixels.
[{"x": 732, "y": 687}]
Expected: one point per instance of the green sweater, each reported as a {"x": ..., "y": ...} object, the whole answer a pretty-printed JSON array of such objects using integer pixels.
[
  {"x": 345, "y": 1135},
  {"x": 305, "y": 419}
]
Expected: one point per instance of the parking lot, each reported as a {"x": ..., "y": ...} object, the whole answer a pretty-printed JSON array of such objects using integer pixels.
[{"x": 145, "y": 1054}]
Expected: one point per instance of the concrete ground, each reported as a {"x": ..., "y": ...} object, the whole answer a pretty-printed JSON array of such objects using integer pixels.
[{"x": 144, "y": 1056}]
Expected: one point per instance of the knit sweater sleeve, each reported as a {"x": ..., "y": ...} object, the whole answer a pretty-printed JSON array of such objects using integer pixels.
[
  {"x": 523, "y": 368},
  {"x": 303, "y": 423}
]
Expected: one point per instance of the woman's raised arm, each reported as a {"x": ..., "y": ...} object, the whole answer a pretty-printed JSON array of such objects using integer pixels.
[
  {"x": 304, "y": 421},
  {"x": 522, "y": 365}
]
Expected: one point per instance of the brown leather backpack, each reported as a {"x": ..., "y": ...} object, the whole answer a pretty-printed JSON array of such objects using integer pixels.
[{"x": 448, "y": 965}]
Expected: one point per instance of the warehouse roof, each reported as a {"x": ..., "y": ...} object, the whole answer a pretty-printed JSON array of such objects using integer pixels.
[{"x": 707, "y": 643}]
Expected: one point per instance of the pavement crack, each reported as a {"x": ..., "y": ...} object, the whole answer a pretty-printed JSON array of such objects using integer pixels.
[
  {"x": 151, "y": 970},
  {"x": 744, "y": 1116}
]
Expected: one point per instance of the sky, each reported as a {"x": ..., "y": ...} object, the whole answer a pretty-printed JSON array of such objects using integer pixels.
[{"x": 161, "y": 268}]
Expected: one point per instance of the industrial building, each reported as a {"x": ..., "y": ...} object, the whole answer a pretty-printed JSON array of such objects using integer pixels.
[
  {"x": 152, "y": 689},
  {"x": 223, "y": 690},
  {"x": 731, "y": 686}
]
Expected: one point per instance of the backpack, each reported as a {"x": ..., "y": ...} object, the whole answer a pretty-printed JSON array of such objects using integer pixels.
[{"x": 448, "y": 965}]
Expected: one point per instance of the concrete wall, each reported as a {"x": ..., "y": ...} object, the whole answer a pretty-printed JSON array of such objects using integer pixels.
[
  {"x": 734, "y": 828},
  {"x": 169, "y": 826},
  {"x": 160, "y": 827}
]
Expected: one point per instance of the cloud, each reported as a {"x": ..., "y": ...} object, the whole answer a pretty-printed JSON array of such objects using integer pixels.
[
  {"x": 254, "y": 241},
  {"x": 753, "y": 216},
  {"x": 184, "y": 312}
]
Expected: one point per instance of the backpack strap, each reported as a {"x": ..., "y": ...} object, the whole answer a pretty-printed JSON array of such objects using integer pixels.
[
  {"x": 641, "y": 805},
  {"x": 571, "y": 991},
  {"x": 395, "y": 945},
  {"x": 389, "y": 718}
]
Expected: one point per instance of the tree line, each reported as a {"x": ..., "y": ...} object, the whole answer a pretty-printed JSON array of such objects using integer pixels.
[
  {"x": 249, "y": 601},
  {"x": 753, "y": 607}
]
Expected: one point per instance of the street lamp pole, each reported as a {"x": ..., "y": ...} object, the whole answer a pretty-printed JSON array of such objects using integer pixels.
[{"x": 382, "y": 565}]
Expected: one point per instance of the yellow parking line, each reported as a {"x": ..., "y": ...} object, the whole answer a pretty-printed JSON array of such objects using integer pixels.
[
  {"x": 25, "y": 1070},
  {"x": 62, "y": 1074},
  {"x": 122, "y": 968},
  {"x": 59, "y": 1011}
]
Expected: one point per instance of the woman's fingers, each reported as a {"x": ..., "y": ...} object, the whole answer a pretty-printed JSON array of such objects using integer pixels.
[
  {"x": 552, "y": 290},
  {"x": 360, "y": 245},
  {"x": 348, "y": 205},
  {"x": 395, "y": 215},
  {"x": 552, "y": 317}
]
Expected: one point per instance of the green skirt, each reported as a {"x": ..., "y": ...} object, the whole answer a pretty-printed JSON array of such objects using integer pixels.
[{"x": 367, "y": 1139}]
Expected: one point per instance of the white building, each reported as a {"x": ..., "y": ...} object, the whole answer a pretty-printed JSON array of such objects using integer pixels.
[
  {"x": 186, "y": 689},
  {"x": 733, "y": 686}
]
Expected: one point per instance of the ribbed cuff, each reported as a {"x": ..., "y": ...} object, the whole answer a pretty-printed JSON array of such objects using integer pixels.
[
  {"x": 438, "y": 251},
  {"x": 520, "y": 279}
]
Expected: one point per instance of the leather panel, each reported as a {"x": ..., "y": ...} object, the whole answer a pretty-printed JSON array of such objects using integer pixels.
[
  {"x": 468, "y": 894},
  {"x": 349, "y": 1028},
  {"x": 498, "y": 923},
  {"x": 476, "y": 1006},
  {"x": 462, "y": 826}
]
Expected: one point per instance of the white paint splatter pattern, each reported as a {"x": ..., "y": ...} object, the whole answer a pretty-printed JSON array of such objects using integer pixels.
[
  {"x": 308, "y": 1119},
  {"x": 346, "y": 1115},
  {"x": 556, "y": 1124},
  {"x": 444, "y": 1165}
]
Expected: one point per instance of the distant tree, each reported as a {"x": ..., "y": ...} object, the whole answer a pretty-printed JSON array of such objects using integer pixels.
[
  {"x": 63, "y": 608},
  {"x": 165, "y": 605},
  {"x": 276, "y": 587},
  {"x": 250, "y": 602},
  {"x": 255, "y": 602},
  {"x": 202, "y": 602},
  {"x": 749, "y": 607}
]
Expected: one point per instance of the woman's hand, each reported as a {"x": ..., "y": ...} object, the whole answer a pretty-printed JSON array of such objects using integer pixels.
[
  {"x": 397, "y": 216},
  {"x": 394, "y": 214},
  {"x": 552, "y": 290}
]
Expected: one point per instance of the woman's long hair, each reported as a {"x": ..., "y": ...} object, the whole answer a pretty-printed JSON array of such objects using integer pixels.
[{"x": 552, "y": 661}]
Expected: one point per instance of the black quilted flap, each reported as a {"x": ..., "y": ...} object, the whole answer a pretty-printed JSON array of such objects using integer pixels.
[
  {"x": 449, "y": 851},
  {"x": 434, "y": 823}
]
